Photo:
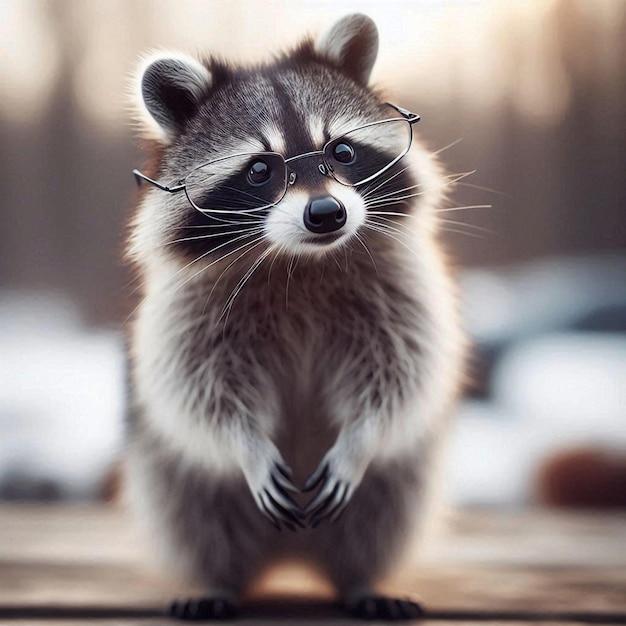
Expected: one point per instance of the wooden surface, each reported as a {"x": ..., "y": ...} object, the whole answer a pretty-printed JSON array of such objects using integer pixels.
[{"x": 83, "y": 565}]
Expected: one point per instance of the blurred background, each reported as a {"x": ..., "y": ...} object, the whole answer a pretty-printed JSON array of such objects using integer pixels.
[{"x": 528, "y": 95}]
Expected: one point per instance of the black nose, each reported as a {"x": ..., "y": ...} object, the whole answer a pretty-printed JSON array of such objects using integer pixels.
[{"x": 324, "y": 215}]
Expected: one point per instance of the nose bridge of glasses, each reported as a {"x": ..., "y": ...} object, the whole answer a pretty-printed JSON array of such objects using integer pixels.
[
  {"x": 293, "y": 175},
  {"x": 304, "y": 155}
]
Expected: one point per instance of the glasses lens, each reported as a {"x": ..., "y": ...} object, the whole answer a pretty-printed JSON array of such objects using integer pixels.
[
  {"x": 240, "y": 183},
  {"x": 365, "y": 152}
]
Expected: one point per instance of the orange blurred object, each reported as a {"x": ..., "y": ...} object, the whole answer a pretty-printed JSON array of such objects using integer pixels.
[{"x": 585, "y": 477}]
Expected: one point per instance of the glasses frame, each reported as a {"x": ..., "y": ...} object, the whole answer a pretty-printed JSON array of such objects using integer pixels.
[{"x": 325, "y": 168}]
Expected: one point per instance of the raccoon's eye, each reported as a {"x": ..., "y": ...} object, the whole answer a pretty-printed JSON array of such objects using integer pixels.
[
  {"x": 259, "y": 173},
  {"x": 344, "y": 153}
]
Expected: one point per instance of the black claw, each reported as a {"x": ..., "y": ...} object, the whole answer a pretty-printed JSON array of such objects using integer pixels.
[
  {"x": 412, "y": 610},
  {"x": 337, "y": 507},
  {"x": 270, "y": 516},
  {"x": 319, "y": 501},
  {"x": 338, "y": 512},
  {"x": 202, "y": 609},
  {"x": 380, "y": 607},
  {"x": 324, "y": 507},
  {"x": 370, "y": 608},
  {"x": 189, "y": 609},
  {"x": 315, "y": 522},
  {"x": 285, "y": 471},
  {"x": 284, "y": 514},
  {"x": 295, "y": 507},
  {"x": 309, "y": 486},
  {"x": 395, "y": 610},
  {"x": 280, "y": 478}
]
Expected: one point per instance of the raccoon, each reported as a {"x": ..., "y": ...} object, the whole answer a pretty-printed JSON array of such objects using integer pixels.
[{"x": 296, "y": 351}]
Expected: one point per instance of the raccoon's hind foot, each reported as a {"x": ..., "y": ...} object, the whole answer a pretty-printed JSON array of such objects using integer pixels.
[
  {"x": 372, "y": 607},
  {"x": 203, "y": 609}
]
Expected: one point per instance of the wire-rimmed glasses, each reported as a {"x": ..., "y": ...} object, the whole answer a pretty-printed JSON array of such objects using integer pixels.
[{"x": 256, "y": 180}]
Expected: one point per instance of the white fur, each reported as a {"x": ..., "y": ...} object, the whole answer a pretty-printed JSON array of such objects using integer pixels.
[
  {"x": 316, "y": 130},
  {"x": 275, "y": 138},
  {"x": 285, "y": 224},
  {"x": 390, "y": 139},
  {"x": 336, "y": 126},
  {"x": 340, "y": 124}
]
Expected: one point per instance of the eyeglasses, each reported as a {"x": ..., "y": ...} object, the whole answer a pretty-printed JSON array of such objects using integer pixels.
[{"x": 257, "y": 180}]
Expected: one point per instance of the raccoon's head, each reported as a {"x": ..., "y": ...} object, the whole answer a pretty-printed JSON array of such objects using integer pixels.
[{"x": 293, "y": 155}]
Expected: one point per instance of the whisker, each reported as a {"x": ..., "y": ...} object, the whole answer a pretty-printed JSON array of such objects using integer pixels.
[
  {"x": 259, "y": 204},
  {"x": 209, "y": 252},
  {"x": 244, "y": 223},
  {"x": 450, "y": 145},
  {"x": 276, "y": 255},
  {"x": 390, "y": 229},
  {"x": 321, "y": 278},
  {"x": 251, "y": 195},
  {"x": 443, "y": 221},
  {"x": 461, "y": 175},
  {"x": 235, "y": 211},
  {"x": 455, "y": 178},
  {"x": 469, "y": 206},
  {"x": 290, "y": 269},
  {"x": 209, "y": 236},
  {"x": 235, "y": 260},
  {"x": 405, "y": 233},
  {"x": 460, "y": 232},
  {"x": 127, "y": 318},
  {"x": 231, "y": 299},
  {"x": 369, "y": 254},
  {"x": 392, "y": 203},
  {"x": 369, "y": 192},
  {"x": 387, "y": 201},
  {"x": 333, "y": 256},
  {"x": 382, "y": 215},
  {"x": 383, "y": 230},
  {"x": 390, "y": 193},
  {"x": 216, "y": 260},
  {"x": 500, "y": 193},
  {"x": 466, "y": 225},
  {"x": 387, "y": 213},
  {"x": 222, "y": 220},
  {"x": 393, "y": 200}
]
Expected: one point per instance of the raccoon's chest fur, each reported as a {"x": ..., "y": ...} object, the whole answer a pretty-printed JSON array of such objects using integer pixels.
[{"x": 319, "y": 330}]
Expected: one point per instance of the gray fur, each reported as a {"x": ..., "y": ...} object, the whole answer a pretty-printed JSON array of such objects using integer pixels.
[
  {"x": 348, "y": 356},
  {"x": 172, "y": 88},
  {"x": 351, "y": 43}
]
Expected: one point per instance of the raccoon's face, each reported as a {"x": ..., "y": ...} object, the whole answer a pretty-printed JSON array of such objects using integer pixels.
[{"x": 290, "y": 156}]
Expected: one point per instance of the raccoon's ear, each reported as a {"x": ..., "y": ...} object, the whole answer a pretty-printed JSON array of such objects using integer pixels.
[
  {"x": 352, "y": 44},
  {"x": 171, "y": 87}
]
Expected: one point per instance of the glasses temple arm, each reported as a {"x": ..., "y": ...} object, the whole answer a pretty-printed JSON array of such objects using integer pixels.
[
  {"x": 139, "y": 178},
  {"x": 412, "y": 118}
]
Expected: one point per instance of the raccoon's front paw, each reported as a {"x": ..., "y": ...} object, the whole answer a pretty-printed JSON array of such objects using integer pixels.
[
  {"x": 269, "y": 479},
  {"x": 337, "y": 476}
]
